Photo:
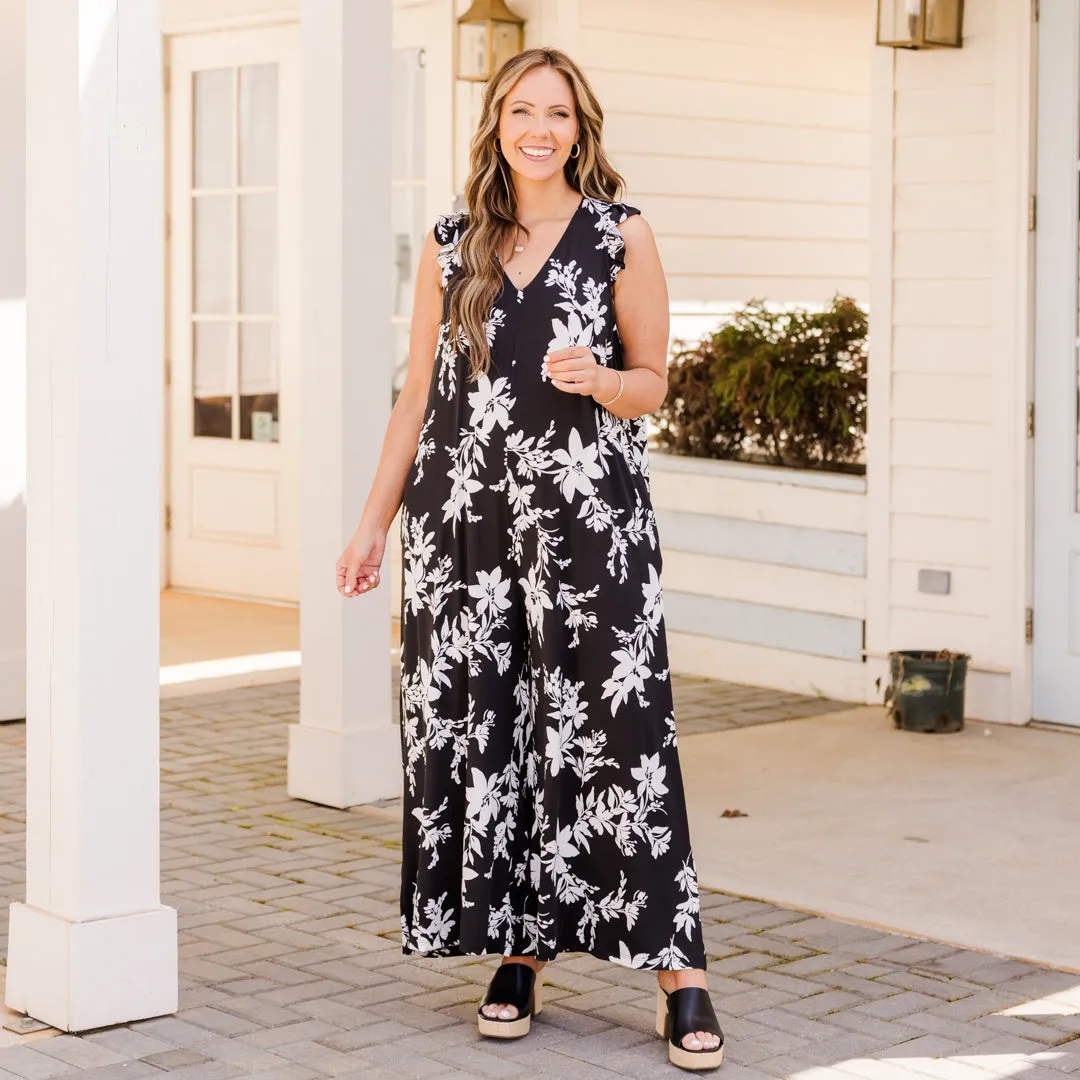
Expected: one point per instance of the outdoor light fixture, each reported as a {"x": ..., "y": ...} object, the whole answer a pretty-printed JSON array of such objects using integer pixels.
[
  {"x": 489, "y": 33},
  {"x": 921, "y": 24}
]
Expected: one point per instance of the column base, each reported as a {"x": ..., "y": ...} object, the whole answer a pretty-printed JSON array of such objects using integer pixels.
[
  {"x": 344, "y": 768},
  {"x": 76, "y": 976}
]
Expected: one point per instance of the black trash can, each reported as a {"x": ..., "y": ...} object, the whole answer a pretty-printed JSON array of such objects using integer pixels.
[{"x": 926, "y": 690}]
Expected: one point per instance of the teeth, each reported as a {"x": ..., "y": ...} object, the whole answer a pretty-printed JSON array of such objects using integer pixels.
[{"x": 537, "y": 153}]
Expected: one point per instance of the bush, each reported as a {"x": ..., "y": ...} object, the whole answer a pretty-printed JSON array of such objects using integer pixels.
[{"x": 785, "y": 388}]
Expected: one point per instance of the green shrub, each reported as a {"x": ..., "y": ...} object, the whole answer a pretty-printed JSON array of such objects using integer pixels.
[{"x": 785, "y": 388}]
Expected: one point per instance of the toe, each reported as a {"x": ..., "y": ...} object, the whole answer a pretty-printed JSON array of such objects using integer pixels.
[{"x": 500, "y": 1012}]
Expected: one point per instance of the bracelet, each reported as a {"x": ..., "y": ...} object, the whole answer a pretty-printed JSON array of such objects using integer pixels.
[{"x": 605, "y": 404}]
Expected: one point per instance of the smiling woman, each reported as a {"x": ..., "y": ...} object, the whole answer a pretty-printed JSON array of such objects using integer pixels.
[{"x": 544, "y": 808}]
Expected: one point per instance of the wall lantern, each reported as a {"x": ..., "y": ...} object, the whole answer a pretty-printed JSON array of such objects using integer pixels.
[
  {"x": 489, "y": 33},
  {"x": 921, "y": 24}
]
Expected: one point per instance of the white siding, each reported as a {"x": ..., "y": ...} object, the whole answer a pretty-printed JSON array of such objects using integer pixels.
[
  {"x": 948, "y": 356},
  {"x": 764, "y": 574},
  {"x": 743, "y": 132}
]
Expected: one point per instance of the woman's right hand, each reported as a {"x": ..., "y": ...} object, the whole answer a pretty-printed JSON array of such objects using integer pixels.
[{"x": 358, "y": 567}]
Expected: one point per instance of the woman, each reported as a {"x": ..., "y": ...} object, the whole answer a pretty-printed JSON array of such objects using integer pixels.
[{"x": 544, "y": 809}]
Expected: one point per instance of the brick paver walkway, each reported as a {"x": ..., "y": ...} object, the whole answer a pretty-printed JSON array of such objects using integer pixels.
[{"x": 291, "y": 967}]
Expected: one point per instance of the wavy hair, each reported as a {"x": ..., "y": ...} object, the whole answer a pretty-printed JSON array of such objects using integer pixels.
[{"x": 492, "y": 203}]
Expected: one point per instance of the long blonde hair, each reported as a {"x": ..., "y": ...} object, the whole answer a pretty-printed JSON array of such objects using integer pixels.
[{"x": 492, "y": 203}]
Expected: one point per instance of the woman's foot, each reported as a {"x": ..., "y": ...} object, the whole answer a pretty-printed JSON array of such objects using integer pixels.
[
  {"x": 496, "y": 1011},
  {"x": 677, "y": 980}
]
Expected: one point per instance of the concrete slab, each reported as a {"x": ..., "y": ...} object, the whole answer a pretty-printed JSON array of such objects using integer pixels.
[
  {"x": 211, "y": 644},
  {"x": 971, "y": 839}
]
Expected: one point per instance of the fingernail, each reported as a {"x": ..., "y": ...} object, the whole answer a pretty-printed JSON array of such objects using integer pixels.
[{"x": 348, "y": 588}]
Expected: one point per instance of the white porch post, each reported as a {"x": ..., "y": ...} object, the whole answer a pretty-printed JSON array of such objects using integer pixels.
[
  {"x": 345, "y": 750},
  {"x": 92, "y": 945}
]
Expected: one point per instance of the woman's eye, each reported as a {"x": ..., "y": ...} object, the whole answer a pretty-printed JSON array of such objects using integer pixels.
[{"x": 518, "y": 111}]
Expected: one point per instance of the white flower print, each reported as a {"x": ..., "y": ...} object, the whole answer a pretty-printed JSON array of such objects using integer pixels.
[
  {"x": 432, "y": 833},
  {"x": 650, "y": 776},
  {"x": 629, "y": 959},
  {"x": 687, "y": 914},
  {"x": 578, "y": 467},
  {"x": 629, "y": 676},
  {"x": 490, "y": 591},
  {"x": 571, "y": 332},
  {"x": 537, "y": 600},
  {"x": 491, "y": 404}
]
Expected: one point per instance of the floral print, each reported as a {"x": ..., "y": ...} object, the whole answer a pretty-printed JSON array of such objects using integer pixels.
[{"x": 544, "y": 809}]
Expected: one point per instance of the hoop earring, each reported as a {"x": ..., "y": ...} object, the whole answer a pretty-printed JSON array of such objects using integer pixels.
[
  {"x": 498, "y": 146},
  {"x": 577, "y": 147}
]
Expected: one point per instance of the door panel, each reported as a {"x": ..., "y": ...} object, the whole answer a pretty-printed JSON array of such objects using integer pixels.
[
  {"x": 1057, "y": 463},
  {"x": 234, "y": 313}
]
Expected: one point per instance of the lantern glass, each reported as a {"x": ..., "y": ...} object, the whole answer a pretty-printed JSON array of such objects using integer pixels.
[
  {"x": 921, "y": 24},
  {"x": 505, "y": 43},
  {"x": 473, "y": 51}
]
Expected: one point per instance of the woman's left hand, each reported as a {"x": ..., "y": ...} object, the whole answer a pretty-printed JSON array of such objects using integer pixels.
[{"x": 575, "y": 371}]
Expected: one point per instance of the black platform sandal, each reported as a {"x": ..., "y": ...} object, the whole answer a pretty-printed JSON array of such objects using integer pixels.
[
  {"x": 682, "y": 1012},
  {"x": 512, "y": 984}
]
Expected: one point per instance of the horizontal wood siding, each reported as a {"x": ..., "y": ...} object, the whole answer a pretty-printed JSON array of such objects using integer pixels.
[
  {"x": 764, "y": 573},
  {"x": 743, "y": 132},
  {"x": 781, "y": 545},
  {"x": 762, "y": 624}
]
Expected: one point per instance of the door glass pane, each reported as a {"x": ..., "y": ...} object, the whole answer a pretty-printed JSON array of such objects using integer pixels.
[
  {"x": 213, "y": 135},
  {"x": 258, "y": 254},
  {"x": 213, "y": 241},
  {"x": 259, "y": 381},
  {"x": 213, "y": 396},
  {"x": 258, "y": 125}
]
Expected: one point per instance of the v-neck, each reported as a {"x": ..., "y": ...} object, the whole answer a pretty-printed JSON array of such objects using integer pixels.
[{"x": 522, "y": 289}]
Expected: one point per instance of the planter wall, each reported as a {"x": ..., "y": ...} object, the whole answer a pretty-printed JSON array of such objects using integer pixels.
[{"x": 764, "y": 574}]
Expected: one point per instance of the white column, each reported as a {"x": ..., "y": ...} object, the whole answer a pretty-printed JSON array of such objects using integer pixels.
[
  {"x": 346, "y": 749},
  {"x": 92, "y": 945}
]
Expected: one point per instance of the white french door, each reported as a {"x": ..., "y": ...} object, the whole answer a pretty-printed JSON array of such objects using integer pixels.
[
  {"x": 234, "y": 407},
  {"x": 1056, "y": 643}
]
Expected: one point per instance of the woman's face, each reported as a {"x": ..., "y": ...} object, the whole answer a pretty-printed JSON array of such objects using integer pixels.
[{"x": 538, "y": 124}]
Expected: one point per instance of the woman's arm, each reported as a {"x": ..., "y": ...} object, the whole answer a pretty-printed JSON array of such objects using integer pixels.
[
  {"x": 642, "y": 316},
  {"x": 358, "y": 567}
]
